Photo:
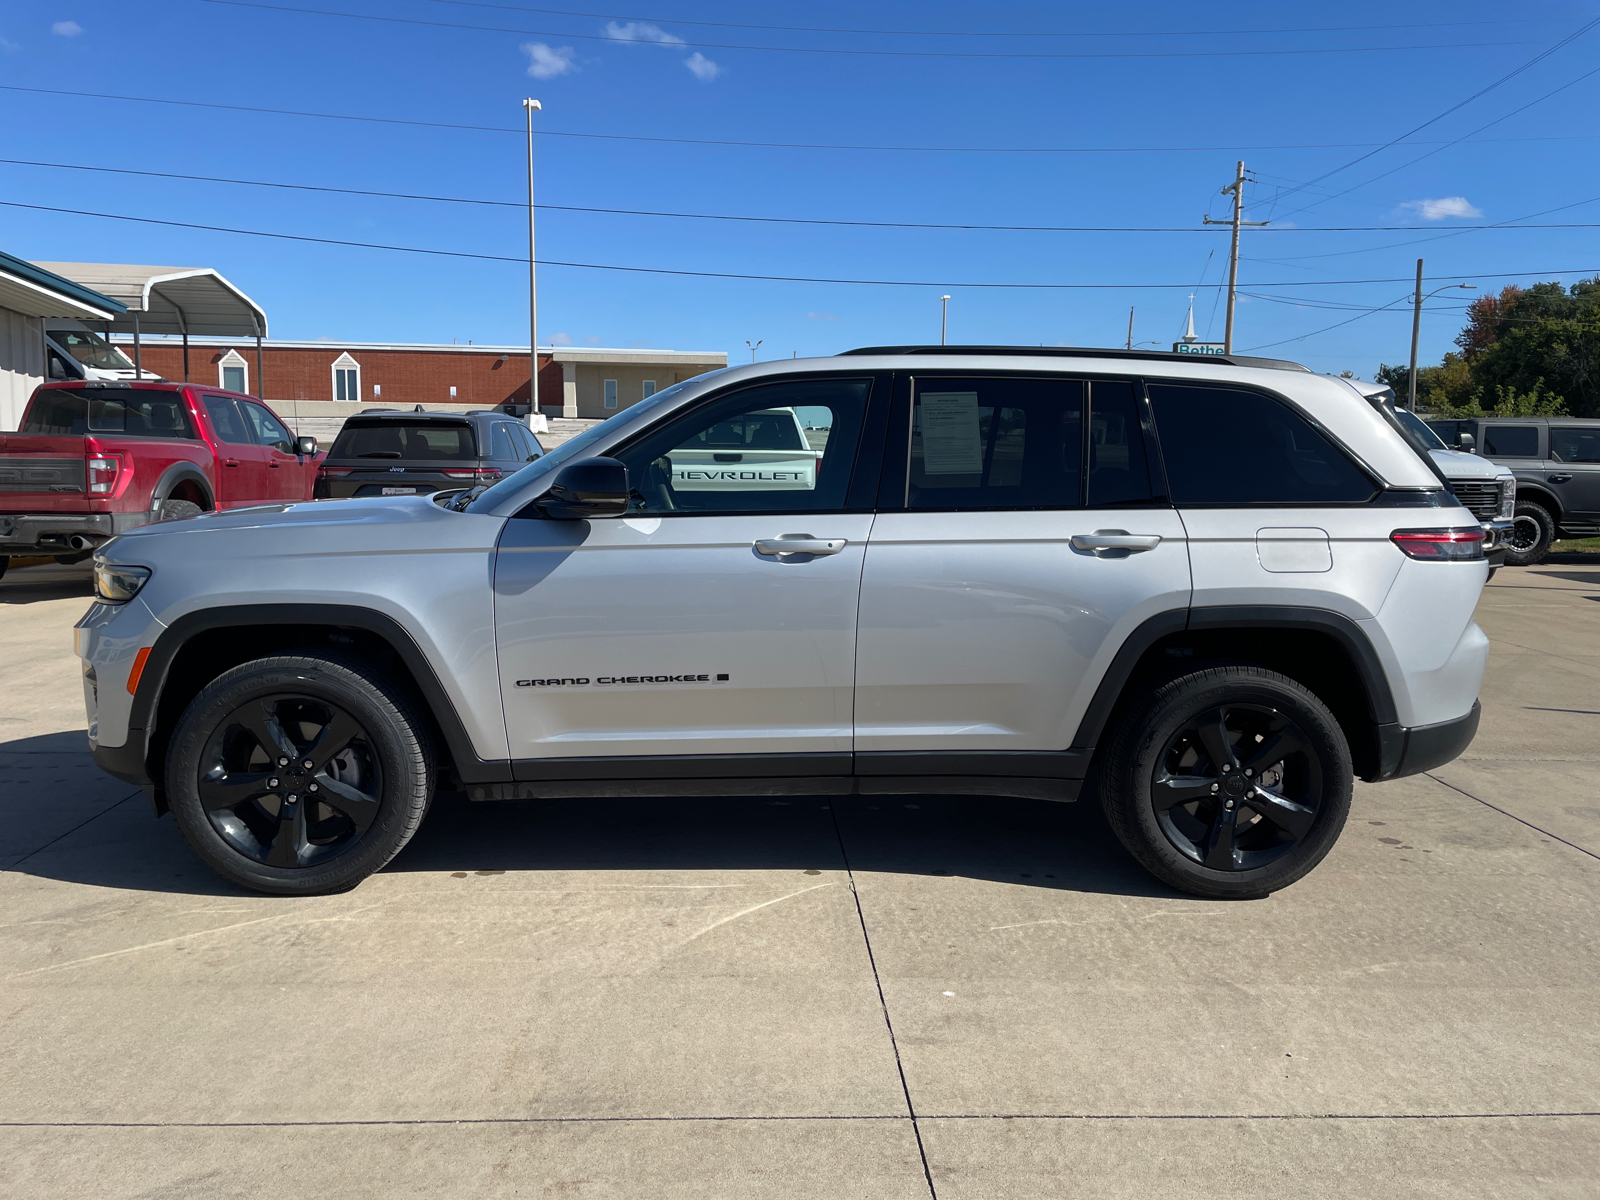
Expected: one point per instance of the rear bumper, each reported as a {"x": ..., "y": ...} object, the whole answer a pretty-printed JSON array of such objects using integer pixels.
[
  {"x": 23, "y": 535},
  {"x": 1423, "y": 747}
]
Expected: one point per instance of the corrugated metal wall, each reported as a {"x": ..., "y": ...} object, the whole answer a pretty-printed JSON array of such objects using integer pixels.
[{"x": 21, "y": 364}]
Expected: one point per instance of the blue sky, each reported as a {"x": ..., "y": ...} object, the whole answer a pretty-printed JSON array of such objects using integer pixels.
[{"x": 1321, "y": 96}]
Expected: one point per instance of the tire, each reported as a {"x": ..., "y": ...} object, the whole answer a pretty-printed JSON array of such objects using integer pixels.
[
  {"x": 1533, "y": 531},
  {"x": 172, "y": 510},
  {"x": 5, "y": 561},
  {"x": 1166, "y": 801},
  {"x": 372, "y": 779}
]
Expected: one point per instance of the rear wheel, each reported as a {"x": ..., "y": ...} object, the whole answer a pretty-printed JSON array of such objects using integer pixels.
[
  {"x": 1533, "y": 531},
  {"x": 1229, "y": 783},
  {"x": 172, "y": 510},
  {"x": 298, "y": 776}
]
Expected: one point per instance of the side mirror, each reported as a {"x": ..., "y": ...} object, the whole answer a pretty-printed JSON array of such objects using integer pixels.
[
  {"x": 1465, "y": 441},
  {"x": 306, "y": 446},
  {"x": 590, "y": 487}
]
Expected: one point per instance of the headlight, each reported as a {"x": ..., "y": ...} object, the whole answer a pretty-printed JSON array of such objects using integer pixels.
[
  {"x": 117, "y": 584},
  {"x": 1508, "y": 499}
]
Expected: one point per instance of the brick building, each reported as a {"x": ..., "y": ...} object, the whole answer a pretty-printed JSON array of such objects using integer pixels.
[{"x": 573, "y": 382}]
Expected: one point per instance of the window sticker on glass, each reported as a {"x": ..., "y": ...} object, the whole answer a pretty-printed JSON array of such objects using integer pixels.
[{"x": 952, "y": 443}]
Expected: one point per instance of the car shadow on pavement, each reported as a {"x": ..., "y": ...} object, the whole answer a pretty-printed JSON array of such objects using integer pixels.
[{"x": 47, "y": 581}]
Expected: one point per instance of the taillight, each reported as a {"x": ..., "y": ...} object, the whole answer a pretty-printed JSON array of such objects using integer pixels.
[
  {"x": 337, "y": 471},
  {"x": 454, "y": 474},
  {"x": 476, "y": 473},
  {"x": 103, "y": 471},
  {"x": 488, "y": 473},
  {"x": 1440, "y": 544}
]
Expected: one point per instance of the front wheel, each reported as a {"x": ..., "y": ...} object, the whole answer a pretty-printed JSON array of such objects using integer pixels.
[
  {"x": 1229, "y": 783},
  {"x": 1533, "y": 532},
  {"x": 299, "y": 775}
]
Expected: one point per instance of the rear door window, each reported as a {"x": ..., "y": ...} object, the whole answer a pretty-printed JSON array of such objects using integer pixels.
[
  {"x": 227, "y": 421},
  {"x": 1575, "y": 445},
  {"x": 1511, "y": 441},
  {"x": 412, "y": 440},
  {"x": 126, "y": 412},
  {"x": 980, "y": 443},
  {"x": 1228, "y": 446}
]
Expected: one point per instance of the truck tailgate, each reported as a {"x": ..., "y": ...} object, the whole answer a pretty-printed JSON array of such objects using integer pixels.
[{"x": 33, "y": 466}]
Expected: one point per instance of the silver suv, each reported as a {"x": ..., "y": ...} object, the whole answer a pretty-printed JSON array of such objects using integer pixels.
[{"x": 1220, "y": 588}]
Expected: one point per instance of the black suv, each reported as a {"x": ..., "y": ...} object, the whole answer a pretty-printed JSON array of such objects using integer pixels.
[
  {"x": 385, "y": 453},
  {"x": 1557, "y": 464}
]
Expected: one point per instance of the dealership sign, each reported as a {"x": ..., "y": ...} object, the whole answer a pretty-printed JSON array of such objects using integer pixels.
[{"x": 1198, "y": 348}]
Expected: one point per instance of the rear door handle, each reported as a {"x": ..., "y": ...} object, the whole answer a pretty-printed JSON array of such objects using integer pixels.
[
  {"x": 1115, "y": 539},
  {"x": 799, "y": 543},
  {"x": 230, "y": 462}
]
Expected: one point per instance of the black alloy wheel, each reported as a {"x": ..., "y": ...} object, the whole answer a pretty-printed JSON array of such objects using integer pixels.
[
  {"x": 1236, "y": 787},
  {"x": 1229, "y": 782},
  {"x": 1533, "y": 532},
  {"x": 290, "y": 781},
  {"x": 300, "y": 775}
]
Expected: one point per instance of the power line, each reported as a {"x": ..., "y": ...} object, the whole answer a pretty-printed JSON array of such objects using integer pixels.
[
  {"x": 677, "y": 43},
  {"x": 674, "y": 141},
  {"x": 1314, "y": 332},
  {"x": 989, "y": 33},
  {"x": 521, "y": 205},
  {"x": 1506, "y": 78},
  {"x": 522, "y": 260}
]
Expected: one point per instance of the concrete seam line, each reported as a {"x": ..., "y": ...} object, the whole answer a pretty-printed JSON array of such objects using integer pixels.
[
  {"x": 1513, "y": 816},
  {"x": 75, "y": 828},
  {"x": 418, "y": 1121},
  {"x": 883, "y": 1003}
]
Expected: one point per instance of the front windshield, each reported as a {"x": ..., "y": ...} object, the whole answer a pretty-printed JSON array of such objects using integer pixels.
[
  {"x": 91, "y": 349},
  {"x": 1420, "y": 427},
  {"x": 575, "y": 448}
]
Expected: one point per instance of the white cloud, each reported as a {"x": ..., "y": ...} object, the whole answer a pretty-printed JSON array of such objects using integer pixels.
[
  {"x": 67, "y": 28},
  {"x": 9, "y": 46},
  {"x": 546, "y": 62},
  {"x": 642, "y": 31},
  {"x": 560, "y": 339},
  {"x": 1438, "y": 210},
  {"x": 823, "y": 316},
  {"x": 701, "y": 67}
]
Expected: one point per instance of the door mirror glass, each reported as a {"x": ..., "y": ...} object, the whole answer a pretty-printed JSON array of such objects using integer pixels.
[
  {"x": 590, "y": 487},
  {"x": 306, "y": 446},
  {"x": 1465, "y": 441}
]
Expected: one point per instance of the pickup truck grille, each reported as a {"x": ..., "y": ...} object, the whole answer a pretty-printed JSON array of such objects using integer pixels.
[
  {"x": 41, "y": 474},
  {"x": 1481, "y": 497}
]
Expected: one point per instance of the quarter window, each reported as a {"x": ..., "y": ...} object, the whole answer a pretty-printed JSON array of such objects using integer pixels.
[
  {"x": 996, "y": 443},
  {"x": 1229, "y": 446},
  {"x": 1575, "y": 445},
  {"x": 500, "y": 447},
  {"x": 1511, "y": 441},
  {"x": 787, "y": 447}
]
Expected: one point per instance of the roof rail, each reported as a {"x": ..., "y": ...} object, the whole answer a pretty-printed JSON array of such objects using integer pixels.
[{"x": 1226, "y": 360}]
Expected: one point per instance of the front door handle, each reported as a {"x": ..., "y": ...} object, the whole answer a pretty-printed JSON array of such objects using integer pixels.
[
  {"x": 799, "y": 543},
  {"x": 230, "y": 462},
  {"x": 274, "y": 466},
  {"x": 1115, "y": 539},
  {"x": 1560, "y": 478}
]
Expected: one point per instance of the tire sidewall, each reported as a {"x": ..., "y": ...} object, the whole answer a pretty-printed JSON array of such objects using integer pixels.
[
  {"x": 394, "y": 743},
  {"x": 1174, "y": 705},
  {"x": 1547, "y": 535}
]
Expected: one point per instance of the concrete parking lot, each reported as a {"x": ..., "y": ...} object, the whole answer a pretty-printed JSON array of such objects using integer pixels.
[{"x": 885, "y": 998}]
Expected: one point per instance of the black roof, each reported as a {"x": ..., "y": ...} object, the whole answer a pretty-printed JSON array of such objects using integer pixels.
[
  {"x": 1227, "y": 360},
  {"x": 409, "y": 414}
]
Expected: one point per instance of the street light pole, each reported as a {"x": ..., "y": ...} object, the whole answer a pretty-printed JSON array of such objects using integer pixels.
[
  {"x": 944, "y": 317},
  {"x": 1130, "y": 327},
  {"x": 753, "y": 347},
  {"x": 1416, "y": 330},
  {"x": 531, "y": 106}
]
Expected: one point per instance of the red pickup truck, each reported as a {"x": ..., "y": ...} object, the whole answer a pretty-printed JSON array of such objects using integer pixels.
[{"x": 94, "y": 459}]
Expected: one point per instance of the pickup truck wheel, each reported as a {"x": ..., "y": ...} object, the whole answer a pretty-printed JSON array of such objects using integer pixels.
[
  {"x": 299, "y": 775},
  {"x": 1229, "y": 783},
  {"x": 171, "y": 510},
  {"x": 1533, "y": 530}
]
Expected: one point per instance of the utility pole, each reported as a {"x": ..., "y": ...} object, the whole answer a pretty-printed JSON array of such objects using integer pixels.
[
  {"x": 1130, "y": 327},
  {"x": 532, "y": 106},
  {"x": 1416, "y": 332},
  {"x": 1236, "y": 190},
  {"x": 944, "y": 316}
]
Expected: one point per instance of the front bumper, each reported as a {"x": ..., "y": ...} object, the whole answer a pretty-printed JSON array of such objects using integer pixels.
[
  {"x": 1495, "y": 534},
  {"x": 26, "y": 535}
]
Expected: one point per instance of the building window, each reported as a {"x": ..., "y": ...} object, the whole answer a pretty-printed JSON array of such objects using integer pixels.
[
  {"x": 649, "y": 388},
  {"x": 611, "y": 393},
  {"x": 233, "y": 373},
  {"x": 346, "y": 379}
]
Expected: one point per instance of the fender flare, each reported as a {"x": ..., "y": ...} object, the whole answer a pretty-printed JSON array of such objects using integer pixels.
[
  {"x": 1541, "y": 496},
  {"x": 144, "y": 711},
  {"x": 181, "y": 472}
]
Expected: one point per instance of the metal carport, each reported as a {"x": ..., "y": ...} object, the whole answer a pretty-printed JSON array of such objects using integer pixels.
[{"x": 172, "y": 300}]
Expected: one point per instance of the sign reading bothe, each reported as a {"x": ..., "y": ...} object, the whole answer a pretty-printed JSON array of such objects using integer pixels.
[{"x": 1198, "y": 348}]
